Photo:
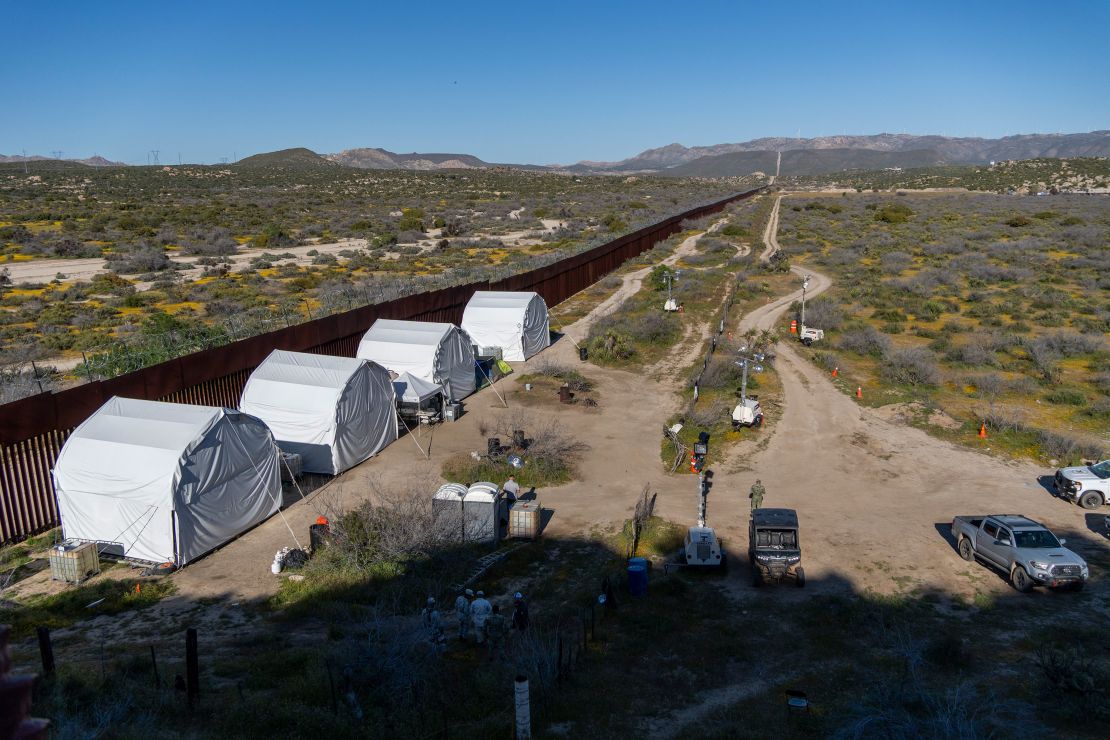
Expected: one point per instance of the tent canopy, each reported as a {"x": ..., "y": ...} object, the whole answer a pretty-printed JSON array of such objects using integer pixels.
[
  {"x": 411, "y": 389},
  {"x": 165, "y": 482},
  {"x": 334, "y": 412},
  {"x": 515, "y": 321},
  {"x": 433, "y": 352}
]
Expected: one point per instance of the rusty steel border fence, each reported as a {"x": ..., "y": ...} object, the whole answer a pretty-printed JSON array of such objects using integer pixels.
[{"x": 33, "y": 429}]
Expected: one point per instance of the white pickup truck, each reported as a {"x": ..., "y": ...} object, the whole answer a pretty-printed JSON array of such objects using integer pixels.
[{"x": 1088, "y": 486}]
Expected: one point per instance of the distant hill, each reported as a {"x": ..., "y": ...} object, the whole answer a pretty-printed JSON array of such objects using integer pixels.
[
  {"x": 382, "y": 159},
  {"x": 299, "y": 159},
  {"x": 803, "y": 162},
  {"x": 94, "y": 161},
  {"x": 951, "y": 150}
]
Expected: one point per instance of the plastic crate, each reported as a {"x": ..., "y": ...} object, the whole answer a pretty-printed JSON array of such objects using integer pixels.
[
  {"x": 524, "y": 520},
  {"x": 74, "y": 562}
]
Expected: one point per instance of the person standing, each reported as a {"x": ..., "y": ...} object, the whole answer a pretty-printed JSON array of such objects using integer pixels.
[
  {"x": 520, "y": 612},
  {"x": 433, "y": 624},
  {"x": 496, "y": 627},
  {"x": 480, "y": 611},
  {"x": 462, "y": 613},
  {"x": 756, "y": 495},
  {"x": 511, "y": 489}
]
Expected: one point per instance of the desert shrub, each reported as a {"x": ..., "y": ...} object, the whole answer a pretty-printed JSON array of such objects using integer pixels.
[
  {"x": 1100, "y": 409},
  {"x": 722, "y": 373},
  {"x": 824, "y": 313},
  {"x": 565, "y": 374},
  {"x": 1066, "y": 397},
  {"x": 894, "y": 262},
  {"x": 609, "y": 345},
  {"x": 1069, "y": 344},
  {"x": 894, "y": 213},
  {"x": 864, "y": 341},
  {"x": 1018, "y": 221},
  {"x": 1067, "y": 447},
  {"x": 973, "y": 353},
  {"x": 1003, "y": 419},
  {"x": 914, "y": 366},
  {"x": 143, "y": 258},
  {"x": 658, "y": 277},
  {"x": 709, "y": 415},
  {"x": 827, "y": 360}
]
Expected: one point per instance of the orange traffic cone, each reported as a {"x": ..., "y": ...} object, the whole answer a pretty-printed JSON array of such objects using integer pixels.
[
  {"x": 836, "y": 372},
  {"x": 136, "y": 589},
  {"x": 859, "y": 392},
  {"x": 983, "y": 430}
]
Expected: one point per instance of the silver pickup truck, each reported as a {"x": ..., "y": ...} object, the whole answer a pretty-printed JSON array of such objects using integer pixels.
[{"x": 1019, "y": 546}]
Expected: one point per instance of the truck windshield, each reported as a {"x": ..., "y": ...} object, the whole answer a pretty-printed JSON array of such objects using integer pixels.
[
  {"x": 777, "y": 539},
  {"x": 1102, "y": 469},
  {"x": 1036, "y": 538}
]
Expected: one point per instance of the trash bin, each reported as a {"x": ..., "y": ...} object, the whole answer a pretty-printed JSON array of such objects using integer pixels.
[
  {"x": 318, "y": 536},
  {"x": 637, "y": 580},
  {"x": 583, "y": 353}
]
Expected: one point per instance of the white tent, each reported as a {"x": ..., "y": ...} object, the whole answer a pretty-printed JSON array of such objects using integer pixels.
[
  {"x": 514, "y": 321},
  {"x": 334, "y": 412},
  {"x": 411, "y": 389},
  {"x": 437, "y": 353},
  {"x": 165, "y": 482}
]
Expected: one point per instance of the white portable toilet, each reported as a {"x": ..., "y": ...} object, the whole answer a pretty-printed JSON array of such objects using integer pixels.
[
  {"x": 516, "y": 322},
  {"x": 470, "y": 514},
  {"x": 165, "y": 482},
  {"x": 434, "y": 352},
  {"x": 334, "y": 412}
]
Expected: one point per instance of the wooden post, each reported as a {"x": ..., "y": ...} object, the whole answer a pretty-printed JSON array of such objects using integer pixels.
[
  {"x": 46, "y": 648},
  {"x": 154, "y": 662},
  {"x": 192, "y": 668}
]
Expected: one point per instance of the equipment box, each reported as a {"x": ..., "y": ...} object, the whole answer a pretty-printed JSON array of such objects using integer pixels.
[
  {"x": 524, "y": 520},
  {"x": 74, "y": 562}
]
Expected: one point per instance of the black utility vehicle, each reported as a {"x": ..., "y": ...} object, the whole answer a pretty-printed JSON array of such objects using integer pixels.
[{"x": 773, "y": 547}]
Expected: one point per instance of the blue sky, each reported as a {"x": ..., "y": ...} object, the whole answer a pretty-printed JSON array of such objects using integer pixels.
[{"x": 536, "y": 82}]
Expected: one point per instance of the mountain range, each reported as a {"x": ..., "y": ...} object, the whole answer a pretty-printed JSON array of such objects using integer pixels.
[
  {"x": 834, "y": 153},
  {"x": 821, "y": 155},
  {"x": 94, "y": 161}
]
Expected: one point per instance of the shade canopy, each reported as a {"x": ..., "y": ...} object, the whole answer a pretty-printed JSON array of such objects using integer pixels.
[
  {"x": 514, "y": 321},
  {"x": 165, "y": 482},
  {"x": 437, "y": 353},
  {"x": 411, "y": 389},
  {"x": 334, "y": 412}
]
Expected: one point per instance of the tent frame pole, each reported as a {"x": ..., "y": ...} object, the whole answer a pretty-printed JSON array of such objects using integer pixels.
[{"x": 491, "y": 385}]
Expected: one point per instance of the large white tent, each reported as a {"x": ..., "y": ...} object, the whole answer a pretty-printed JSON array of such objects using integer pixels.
[
  {"x": 334, "y": 412},
  {"x": 514, "y": 321},
  {"x": 438, "y": 353},
  {"x": 165, "y": 482}
]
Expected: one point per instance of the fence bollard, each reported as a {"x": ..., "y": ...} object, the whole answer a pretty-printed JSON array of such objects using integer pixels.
[
  {"x": 523, "y": 709},
  {"x": 46, "y": 648},
  {"x": 192, "y": 668}
]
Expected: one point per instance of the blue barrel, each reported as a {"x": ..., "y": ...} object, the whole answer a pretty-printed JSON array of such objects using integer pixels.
[
  {"x": 637, "y": 580},
  {"x": 641, "y": 561}
]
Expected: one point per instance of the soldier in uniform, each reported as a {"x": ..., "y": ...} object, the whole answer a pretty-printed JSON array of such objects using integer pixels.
[{"x": 758, "y": 491}]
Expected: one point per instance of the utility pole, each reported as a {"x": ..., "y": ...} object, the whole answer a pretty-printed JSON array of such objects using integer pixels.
[
  {"x": 154, "y": 155},
  {"x": 805, "y": 286}
]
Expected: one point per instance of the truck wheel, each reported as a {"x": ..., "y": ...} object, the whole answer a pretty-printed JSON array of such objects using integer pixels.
[
  {"x": 1021, "y": 580},
  {"x": 799, "y": 577},
  {"x": 1077, "y": 586},
  {"x": 1090, "y": 500},
  {"x": 807, "y": 341},
  {"x": 967, "y": 552}
]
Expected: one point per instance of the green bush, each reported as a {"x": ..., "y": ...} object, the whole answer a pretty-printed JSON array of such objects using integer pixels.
[{"x": 1066, "y": 397}]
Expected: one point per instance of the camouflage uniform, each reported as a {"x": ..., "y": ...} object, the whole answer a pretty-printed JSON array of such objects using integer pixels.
[{"x": 758, "y": 491}]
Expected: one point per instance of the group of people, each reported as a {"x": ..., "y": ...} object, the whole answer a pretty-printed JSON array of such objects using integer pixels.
[{"x": 475, "y": 613}]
